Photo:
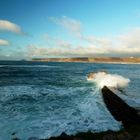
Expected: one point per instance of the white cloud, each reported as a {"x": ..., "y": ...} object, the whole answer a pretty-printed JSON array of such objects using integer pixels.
[
  {"x": 127, "y": 44},
  {"x": 6, "y": 25},
  {"x": 70, "y": 24},
  {"x": 123, "y": 45},
  {"x": 4, "y": 42},
  {"x": 62, "y": 43},
  {"x": 63, "y": 51},
  {"x": 132, "y": 38},
  {"x": 96, "y": 40}
]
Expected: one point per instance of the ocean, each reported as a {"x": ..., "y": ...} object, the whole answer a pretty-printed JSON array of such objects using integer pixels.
[{"x": 44, "y": 99}]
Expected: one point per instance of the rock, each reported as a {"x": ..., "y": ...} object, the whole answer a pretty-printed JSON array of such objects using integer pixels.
[
  {"x": 119, "y": 109},
  {"x": 110, "y": 137},
  {"x": 63, "y": 136},
  {"x": 124, "y": 136}
]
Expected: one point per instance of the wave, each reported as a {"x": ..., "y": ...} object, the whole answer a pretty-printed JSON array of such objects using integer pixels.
[
  {"x": 102, "y": 79},
  {"x": 59, "y": 110}
]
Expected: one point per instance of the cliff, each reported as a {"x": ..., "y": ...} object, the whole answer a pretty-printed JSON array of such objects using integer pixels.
[{"x": 94, "y": 60}]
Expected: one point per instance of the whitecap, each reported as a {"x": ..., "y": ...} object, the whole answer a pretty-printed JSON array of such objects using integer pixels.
[{"x": 111, "y": 80}]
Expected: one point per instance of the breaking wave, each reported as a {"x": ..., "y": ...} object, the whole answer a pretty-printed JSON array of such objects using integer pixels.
[{"x": 111, "y": 80}]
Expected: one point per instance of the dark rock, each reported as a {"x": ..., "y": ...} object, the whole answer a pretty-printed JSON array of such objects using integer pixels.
[
  {"x": 119, "y": 109},
  {"x": 124, "y": 136},
  {"x": 110, "y": 137},
  {"x": 63, "y": 136}
]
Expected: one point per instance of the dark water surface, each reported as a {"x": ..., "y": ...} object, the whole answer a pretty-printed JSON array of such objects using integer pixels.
[{"x": 45, "y": 99}]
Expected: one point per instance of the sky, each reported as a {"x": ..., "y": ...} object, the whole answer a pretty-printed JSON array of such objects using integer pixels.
[{"x": 69, "y": 28}]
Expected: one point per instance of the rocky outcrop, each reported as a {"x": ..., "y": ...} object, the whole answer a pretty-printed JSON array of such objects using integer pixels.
[
  {"x": 133, "y": 133},
  {"x": 119, "y": 109}
]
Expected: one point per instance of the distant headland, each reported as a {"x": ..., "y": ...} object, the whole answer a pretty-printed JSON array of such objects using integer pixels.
[{"x": 119, "y": 60}]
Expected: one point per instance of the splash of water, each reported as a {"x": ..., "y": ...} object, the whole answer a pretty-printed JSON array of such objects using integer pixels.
[{"x": 111, "y": 80}]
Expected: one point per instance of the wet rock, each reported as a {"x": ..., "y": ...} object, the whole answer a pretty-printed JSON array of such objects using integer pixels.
[
  {"x": 119, "y": 109},
  {"x": 110, "y": 137},
  {"x": 63, "y": 136},
  {"x": 124, "y": 136}
]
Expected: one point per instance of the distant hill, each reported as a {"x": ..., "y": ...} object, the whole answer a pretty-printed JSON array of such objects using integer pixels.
[{"x": 95, "y": 60}]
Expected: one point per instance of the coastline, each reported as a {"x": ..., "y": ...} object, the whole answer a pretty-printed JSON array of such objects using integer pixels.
[
  {"x": 131, "y": 133},
  {"x": 92, "y": 62},
  {"x": 106, "y": 60}
]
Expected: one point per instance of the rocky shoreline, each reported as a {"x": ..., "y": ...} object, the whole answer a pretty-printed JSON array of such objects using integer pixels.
[{"x": 130, "y": 133}]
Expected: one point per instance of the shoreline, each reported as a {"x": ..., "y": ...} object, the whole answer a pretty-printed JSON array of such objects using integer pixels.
[
  {"x": 130, "y": 133},
  {"x": 123, "y": 63},
  {"x": 106, "y": 60}
]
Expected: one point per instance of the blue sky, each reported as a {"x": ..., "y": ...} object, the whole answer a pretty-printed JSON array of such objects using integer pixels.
[{"x": 69, "y": 28}]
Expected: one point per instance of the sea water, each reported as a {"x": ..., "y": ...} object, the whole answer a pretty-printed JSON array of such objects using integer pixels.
[{"x": 44, "y": 99}]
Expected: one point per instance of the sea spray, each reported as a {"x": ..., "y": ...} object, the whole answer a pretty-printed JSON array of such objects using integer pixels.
[{"x": 111, "y": 80}]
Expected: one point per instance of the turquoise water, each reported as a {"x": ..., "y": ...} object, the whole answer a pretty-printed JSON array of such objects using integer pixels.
[{"x": 46, "y": 99}]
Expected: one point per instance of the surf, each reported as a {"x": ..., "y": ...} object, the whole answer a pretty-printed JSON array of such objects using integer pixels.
[{"x": 102, "y": 79}]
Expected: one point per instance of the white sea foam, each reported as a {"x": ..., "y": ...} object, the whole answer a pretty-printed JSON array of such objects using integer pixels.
[
  {"x": 111, "y": 80},
  {"x": 49, "y": 111}
]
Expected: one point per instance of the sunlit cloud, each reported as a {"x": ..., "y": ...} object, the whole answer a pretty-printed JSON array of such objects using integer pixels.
[
  {"x": 127, "y": 44},
  {"x": 4, "y": 42},
  {"x": 6, "y": 25}
]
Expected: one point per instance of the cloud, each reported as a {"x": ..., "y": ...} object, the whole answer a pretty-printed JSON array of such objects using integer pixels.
[
  {"x": 6, "y": 25},
  {"x": 72, "y": 25},
  {"x": 124, "y": 44},
  {"x": 63, "y": 43},
  {"x": 96, "y": 40},
  {"x": 4, "y": 42},
  {"x": 132, "y": 38},
  {"x": 127, "y": 44},
  {"x": 63, "y": 51}
]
